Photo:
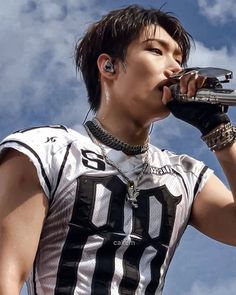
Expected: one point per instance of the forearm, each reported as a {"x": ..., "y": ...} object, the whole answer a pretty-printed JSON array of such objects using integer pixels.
[{"x": 227, "y": 160}]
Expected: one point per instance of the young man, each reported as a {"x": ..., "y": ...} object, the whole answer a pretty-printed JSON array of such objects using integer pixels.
[{"x": 102, "y": 211}]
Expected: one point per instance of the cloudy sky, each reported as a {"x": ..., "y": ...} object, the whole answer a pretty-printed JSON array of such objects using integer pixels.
[{"x": 39, "y": 86}]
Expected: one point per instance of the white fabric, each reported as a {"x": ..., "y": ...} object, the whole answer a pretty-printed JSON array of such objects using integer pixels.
[{"x": 72, "y": 171}]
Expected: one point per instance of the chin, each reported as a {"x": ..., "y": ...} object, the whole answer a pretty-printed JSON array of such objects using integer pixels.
[{"x": 162, "y": 115}]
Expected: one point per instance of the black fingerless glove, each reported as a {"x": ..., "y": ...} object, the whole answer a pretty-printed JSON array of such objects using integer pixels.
[{"x": 203, "y": 116}]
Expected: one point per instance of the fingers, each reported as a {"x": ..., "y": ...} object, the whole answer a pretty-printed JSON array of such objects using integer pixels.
[
  {"x": 190, "y": 83},
  {"x": 166, "y": 97}
]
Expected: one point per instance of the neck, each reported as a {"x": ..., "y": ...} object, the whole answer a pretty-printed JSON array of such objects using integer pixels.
[
  {"x": 129, "y": 131},
  {"x": 96, "y": 130}
]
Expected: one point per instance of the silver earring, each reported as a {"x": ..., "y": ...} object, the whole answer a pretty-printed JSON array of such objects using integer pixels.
[{"x": 108, "y": 66}]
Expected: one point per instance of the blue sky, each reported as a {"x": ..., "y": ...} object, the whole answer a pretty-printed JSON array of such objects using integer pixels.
[{"x": 39, "y": 86}]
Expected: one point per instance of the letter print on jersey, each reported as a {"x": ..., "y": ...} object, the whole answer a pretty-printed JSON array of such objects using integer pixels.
[{"x": 101, "y": 219}]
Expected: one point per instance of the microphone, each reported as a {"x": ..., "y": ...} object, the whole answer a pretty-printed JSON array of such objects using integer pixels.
[
  {"x": 212, "y": 92},
  {"x": 219, "y": 96}
]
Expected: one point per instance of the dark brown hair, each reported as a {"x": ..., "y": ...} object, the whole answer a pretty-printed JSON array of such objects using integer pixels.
[{"x": 113, "y": 34}]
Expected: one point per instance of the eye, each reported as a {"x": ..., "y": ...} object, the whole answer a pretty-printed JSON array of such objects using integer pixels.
[
  {"x": 179, "y": 62},
  {"x": 155, "y": 50}
]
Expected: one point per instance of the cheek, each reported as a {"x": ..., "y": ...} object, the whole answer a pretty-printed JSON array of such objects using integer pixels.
[
  {"x": 143, "y": 77},
  {"x": 145, "y": 70},
  {"x": 149, "y": 75}
]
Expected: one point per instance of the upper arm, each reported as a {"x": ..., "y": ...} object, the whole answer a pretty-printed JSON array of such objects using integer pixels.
[
  {"x": 23, "y": 207},
  {"x": 213, "y": 212}
]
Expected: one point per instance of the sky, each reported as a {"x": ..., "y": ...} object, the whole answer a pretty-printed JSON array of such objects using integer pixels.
[{"x": 39, "y": 86}]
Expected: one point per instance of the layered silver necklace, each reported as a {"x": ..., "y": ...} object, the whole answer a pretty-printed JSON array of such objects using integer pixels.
[{"x": 132, "y": 185}]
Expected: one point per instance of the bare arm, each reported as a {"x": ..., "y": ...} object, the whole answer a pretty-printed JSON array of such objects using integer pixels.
[
  {"x": 214, "y": 209},
  {"x": 23, "y": 207}
]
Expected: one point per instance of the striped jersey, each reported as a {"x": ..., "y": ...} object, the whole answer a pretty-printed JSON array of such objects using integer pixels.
[{"x": 93, "y": 241}]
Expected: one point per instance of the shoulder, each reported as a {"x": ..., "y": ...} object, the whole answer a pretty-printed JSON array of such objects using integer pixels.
[
  {"x": 187, "y": 162},
  {"x": 181, "y": 162},
  {"x": 48, "y": 148},
  {"x": 48, "y": 137},
  {"x": 39, "y": 134}
]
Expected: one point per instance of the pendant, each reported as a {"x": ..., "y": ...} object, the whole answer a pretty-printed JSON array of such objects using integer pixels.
[{"x": 132, "y": 194}]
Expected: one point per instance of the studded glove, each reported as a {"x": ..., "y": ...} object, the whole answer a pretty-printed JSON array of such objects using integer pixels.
[{"x": 203, "y": 116}]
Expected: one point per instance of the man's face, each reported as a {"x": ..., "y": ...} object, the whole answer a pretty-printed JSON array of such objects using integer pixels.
[{"x": 150, "y": 61}]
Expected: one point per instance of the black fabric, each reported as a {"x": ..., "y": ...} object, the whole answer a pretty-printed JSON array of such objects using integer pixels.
[{"x": 203, "y": 116}]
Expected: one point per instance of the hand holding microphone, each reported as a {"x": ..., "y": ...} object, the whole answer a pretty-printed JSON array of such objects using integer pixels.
[
  {"x": 212, "y": 92},
  {"x": 201, "y": 110}
]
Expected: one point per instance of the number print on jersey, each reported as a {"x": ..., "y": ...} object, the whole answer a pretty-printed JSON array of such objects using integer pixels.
[{"x": 101, "y": 215}]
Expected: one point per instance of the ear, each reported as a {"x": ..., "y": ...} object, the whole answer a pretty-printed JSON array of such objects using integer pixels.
[{"x": 102, "y": 62}]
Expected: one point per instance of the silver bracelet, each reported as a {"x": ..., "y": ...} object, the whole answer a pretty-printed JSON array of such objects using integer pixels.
[{"x": 220, "y": 137}]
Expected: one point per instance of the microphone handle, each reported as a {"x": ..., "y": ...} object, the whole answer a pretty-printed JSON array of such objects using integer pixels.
[{"x": 208, "y": 95}]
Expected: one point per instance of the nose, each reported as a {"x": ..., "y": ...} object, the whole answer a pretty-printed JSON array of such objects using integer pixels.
[{"x": 172, "y": 69}]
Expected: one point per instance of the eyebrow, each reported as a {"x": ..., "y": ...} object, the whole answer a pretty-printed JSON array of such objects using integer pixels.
[{"x": 164, "y": 44}]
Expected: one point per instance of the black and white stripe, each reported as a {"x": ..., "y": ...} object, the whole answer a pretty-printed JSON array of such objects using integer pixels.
[
  {"x": 34, "y": 153},
  {"x": 124, "y": 232},
  {"x": 93, "y": 241}
]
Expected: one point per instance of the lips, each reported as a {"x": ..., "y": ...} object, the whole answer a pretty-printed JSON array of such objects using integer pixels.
[{"x": 166, "y": 82}]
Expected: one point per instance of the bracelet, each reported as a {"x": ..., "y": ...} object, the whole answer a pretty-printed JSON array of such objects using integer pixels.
[{"x": 221, "y": 137}]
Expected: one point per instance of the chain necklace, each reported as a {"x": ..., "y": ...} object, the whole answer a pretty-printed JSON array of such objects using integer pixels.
[
  {"x": 132, "y": 190},
  {"x": 108, "y": 139}
]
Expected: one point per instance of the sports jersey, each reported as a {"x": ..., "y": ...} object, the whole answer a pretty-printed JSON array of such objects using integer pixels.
[{"x": 93, "y": 241}]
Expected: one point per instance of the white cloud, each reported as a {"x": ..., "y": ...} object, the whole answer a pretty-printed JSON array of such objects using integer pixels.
[
  {"x": 37, "y": 41},
  {"x": 222, "y": 58},
  {"x": 226, "y": 287},
  {"x": 218, "y": 10},
  {"x": 36, "y": 62}
]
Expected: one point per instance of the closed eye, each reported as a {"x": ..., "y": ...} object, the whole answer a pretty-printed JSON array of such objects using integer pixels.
[
  {"x": 155, "y": 50},
  {"x": 159, "y": 52},
  {"x": 179, "y": 62}
]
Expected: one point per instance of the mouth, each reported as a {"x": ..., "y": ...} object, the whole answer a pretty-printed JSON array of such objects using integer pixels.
[{"x": 166, "y": 82}]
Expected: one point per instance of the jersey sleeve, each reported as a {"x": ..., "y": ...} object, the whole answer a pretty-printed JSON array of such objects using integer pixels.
[
  {"x": 40, "y": 145},
  {"x": 194, "y": 173},
  {"x": 197, "y": 173}
]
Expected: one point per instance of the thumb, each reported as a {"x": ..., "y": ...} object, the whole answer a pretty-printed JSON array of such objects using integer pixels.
[{"x": 166, "y": 96}]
